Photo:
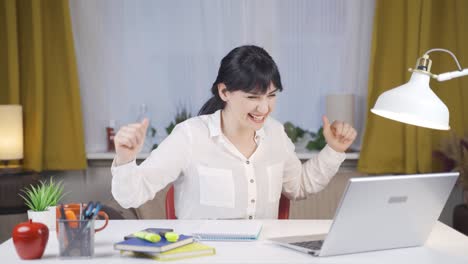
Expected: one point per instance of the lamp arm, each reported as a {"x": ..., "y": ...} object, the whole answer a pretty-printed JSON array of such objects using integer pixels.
[{"x": 450, "y": 75}]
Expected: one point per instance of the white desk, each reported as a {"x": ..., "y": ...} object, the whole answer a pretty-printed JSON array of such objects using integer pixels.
[{"x": 444, "y": 245}]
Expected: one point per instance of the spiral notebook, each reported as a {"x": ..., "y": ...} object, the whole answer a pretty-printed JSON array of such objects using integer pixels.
[{"x": 228, "y": 230}]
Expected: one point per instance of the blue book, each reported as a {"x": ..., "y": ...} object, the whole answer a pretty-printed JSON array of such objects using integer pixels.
[{"x": 140, "y": 245}]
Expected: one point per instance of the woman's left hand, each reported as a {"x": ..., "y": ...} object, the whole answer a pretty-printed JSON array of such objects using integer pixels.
[{"x": 339, "y": 135}]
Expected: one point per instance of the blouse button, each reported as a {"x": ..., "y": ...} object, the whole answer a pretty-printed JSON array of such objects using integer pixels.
[
  {"x": 252, "y": 201},
  {"x": 250, "y": 217},
  {"x": 251, "y": 181},
  {"x": 247, "y": 162}
]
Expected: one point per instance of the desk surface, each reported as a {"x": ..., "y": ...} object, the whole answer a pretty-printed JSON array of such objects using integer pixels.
[{"x": 444, "y": 245}]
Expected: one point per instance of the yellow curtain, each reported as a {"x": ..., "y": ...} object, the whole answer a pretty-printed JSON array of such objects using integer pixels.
[
  {"x": 403, "y": 31},
  {"x": 36, "y": 44}
]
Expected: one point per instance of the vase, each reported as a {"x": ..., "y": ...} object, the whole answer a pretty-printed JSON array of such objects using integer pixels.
[{"x": 46, "y": 217}]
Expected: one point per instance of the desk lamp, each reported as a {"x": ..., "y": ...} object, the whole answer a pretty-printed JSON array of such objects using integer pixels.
[
  {"x": 11, "y": 135},
  {"x": 414, "y": 102},
  {"x": 12, "y": 177}
]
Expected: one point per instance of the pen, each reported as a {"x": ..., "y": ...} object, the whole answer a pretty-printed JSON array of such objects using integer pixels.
[
  {"x": 88, "y": 209},
  {"x": 96, "y": 210},
  {"x": 81, "y": 211},
  {"x": 67, "y": 232}
]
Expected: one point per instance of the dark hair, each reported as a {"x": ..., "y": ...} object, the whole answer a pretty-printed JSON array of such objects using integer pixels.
[{"x": 246, "y": 68}]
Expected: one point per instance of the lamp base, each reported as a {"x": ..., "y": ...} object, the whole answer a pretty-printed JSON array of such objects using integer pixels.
[{"x": 10, "y": 170}]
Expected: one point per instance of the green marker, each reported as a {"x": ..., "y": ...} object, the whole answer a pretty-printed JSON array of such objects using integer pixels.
[
  {"x": 151, "y": 237},
  {"x": 171, "y": 236}
]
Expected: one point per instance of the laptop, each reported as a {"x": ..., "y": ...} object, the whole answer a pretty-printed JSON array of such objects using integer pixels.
[{"x": 377, "y": 213}]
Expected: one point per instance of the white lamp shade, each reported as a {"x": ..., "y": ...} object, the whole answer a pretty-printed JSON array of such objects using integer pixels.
[
  {"x": 414, "y": 103},
  {"x": 11, "y": 132}
]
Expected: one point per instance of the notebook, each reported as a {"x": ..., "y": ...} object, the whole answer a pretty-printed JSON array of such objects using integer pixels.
[
  {"x": 140, "y": 245},
  {"x": 191, "y": 250},
  {"x": 228, "y": 230}
]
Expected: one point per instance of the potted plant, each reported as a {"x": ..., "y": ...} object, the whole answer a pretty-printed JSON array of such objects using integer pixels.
[
  {"x": 318, "y": 141},
  {"x": 295, "y": 133},
  {"x": 182, "y": 114},
  {"x": 42, "y": 200},
  {"x": 304, "y": 139},
  {"x": 453, "y": 155}
]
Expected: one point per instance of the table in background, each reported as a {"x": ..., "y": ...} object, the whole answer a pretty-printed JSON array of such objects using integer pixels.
[
  {"x": 444, "y": 245},
  {"x": 12, "y": 207}
]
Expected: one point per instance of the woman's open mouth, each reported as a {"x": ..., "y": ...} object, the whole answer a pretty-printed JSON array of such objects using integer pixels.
[{"x": 256, "y": 118}]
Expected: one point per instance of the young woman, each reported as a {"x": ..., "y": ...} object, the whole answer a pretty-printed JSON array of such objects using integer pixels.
[{"x": 233, "y": 160}]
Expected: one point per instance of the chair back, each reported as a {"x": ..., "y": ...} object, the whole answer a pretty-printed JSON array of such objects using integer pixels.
[
  {"x": 283, "y": 212},
  {"x": 170, "y": 209}
]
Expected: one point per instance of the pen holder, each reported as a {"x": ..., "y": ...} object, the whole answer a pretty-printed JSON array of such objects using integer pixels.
[
  {"x": 76, "y": 238},
  {"x": 77, "y": 208}
]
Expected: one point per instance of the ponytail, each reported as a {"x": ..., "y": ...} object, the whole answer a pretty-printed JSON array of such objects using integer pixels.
[{"x": 212, "y": 105}]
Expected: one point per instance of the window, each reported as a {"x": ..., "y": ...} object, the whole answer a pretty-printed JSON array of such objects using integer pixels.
[{"x": 166, "y": 53}]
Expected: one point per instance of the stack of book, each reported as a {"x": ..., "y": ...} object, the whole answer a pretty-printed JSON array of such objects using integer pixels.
[{"x": 163, "y": 250}]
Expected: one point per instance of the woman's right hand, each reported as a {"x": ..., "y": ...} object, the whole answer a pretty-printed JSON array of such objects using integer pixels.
[{"x": 129, "y": 141}]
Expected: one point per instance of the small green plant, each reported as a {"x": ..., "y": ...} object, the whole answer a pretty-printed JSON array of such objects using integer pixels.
[
  {"x": 318, "y": 142},
  {"x": 43, "y": 195},
  {"x": 182, "y": 114},
  {"x": 293, "y": 132},
  {"x": 153, "y": 132}
]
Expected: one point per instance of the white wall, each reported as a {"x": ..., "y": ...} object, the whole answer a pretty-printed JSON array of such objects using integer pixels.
[{"x": 167, "y": 53}]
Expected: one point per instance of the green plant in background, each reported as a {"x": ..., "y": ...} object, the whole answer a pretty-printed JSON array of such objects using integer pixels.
[
  {"x": 152, "y": 132},
  {"x": 318, "y": 141},
  {"x": 44, "y": 195},
  {"x": 293, "y": 132},
  {"x": 182, "y": 114}
]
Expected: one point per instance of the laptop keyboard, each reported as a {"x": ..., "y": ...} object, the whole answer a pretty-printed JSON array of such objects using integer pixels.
[{"x": 314, "y": 245}]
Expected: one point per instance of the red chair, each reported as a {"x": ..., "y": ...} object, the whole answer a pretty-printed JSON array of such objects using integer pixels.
[
  {"x": 283, "y": 212},
  {"x": 170, "y": 209}
]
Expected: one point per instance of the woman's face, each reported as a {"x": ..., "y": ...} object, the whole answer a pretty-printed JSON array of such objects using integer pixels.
[{"x": 249, "y": 109}]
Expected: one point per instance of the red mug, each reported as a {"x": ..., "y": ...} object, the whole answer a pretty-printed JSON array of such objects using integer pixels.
[{"x": 76, "y": 209}]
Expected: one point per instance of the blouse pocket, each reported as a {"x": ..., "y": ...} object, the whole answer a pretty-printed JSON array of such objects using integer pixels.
[
  {"x": 216, "y": 187},
  {"x": 275, "y": 181}
]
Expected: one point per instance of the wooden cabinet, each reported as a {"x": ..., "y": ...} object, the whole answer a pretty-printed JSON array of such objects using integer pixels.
[
  {"x": 11, "y": 183},
  {"x": 12, "y": 207}
]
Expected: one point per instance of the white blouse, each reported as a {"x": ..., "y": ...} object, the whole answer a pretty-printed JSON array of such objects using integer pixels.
[{"x": 213, "y": 180}]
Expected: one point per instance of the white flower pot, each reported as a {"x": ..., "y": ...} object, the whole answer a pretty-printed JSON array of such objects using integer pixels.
[
  {"x": 48, "y": 217},
  {"x": 53, "y": 212}
]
